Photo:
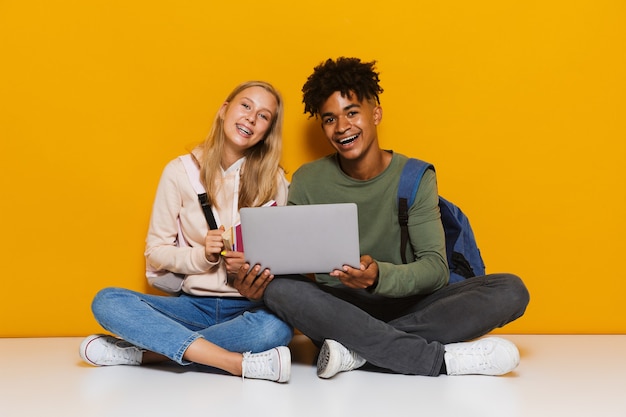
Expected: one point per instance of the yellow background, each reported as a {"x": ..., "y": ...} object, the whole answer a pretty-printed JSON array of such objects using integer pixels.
[{"x": 521, "y": 106}]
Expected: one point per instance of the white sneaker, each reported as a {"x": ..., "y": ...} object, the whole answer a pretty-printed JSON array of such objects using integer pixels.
[
  {"x": 488, "y": 356},
  {"x": 273, "y": 364},
  {"x": 103, "y": 350},
  {"x": 335, "y": 358}
]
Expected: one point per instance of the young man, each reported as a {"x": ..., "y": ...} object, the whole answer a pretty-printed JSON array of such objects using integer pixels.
[{"x": 403, "y": 318}]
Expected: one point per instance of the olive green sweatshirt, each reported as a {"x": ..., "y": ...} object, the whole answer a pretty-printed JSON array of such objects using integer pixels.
[{"x": 323, "y": 182}]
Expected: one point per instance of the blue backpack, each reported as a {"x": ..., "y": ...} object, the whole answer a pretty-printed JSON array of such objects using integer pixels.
[{"x": 464, "y": 260}]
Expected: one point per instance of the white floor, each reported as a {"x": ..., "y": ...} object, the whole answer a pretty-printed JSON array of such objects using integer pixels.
[{"x": 559, "y": 375}]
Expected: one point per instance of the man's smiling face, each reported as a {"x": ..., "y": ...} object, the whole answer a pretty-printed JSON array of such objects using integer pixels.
[{"x": 350, "y": 124}]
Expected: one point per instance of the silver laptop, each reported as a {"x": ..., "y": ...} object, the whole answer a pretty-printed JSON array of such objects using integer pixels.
[{"x": 301, "y": 239}]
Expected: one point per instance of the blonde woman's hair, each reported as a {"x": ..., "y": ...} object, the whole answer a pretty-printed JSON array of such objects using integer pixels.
[{"x": 259, "y": 178}]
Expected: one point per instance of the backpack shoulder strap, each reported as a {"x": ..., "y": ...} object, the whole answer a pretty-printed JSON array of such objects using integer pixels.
[
  {"x": 193, "y": 172},
  {"x": 407, "y": 188}
]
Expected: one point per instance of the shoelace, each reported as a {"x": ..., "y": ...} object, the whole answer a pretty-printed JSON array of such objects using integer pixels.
[
  {"x": 256, "y": 365},
  {"x": 121, "y": 350},
  {"x": 475, "y": 357},
  {"x": 347, "y": 359}
]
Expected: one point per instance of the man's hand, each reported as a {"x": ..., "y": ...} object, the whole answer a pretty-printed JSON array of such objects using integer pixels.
[
  {"x": 365, "y": 276},
  {"x": 251, "y": 282}
]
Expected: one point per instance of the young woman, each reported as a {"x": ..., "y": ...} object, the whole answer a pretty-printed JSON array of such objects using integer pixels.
[{"x": 209, "y": 323}]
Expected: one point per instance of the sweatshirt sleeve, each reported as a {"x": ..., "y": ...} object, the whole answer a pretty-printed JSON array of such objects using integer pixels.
[
  {"x": 175, "y": 200},
  {"x": 429, "y": 271}
]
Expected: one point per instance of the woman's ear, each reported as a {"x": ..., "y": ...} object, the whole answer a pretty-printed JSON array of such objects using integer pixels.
[{"x": 223, "y": 110}]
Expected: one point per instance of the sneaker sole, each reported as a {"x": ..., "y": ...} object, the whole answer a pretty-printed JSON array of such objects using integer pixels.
[
  {"x": 284, "y": 360},
  {"x": 326, "y": 362}
]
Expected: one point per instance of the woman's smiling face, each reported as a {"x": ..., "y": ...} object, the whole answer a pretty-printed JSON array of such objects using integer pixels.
[{"x": 247, "y": 118}]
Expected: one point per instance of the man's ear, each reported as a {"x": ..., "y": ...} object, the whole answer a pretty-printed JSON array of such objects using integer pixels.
[{"x": 378, "y": 115}]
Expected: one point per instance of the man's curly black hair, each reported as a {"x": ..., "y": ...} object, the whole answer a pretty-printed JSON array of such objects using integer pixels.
[{"x": 346, "y": 75}]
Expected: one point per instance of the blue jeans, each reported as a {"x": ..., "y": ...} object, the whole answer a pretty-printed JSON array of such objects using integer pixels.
[
  {"x": 168, "y": 325},
  {"x": 401, "y": 335}
]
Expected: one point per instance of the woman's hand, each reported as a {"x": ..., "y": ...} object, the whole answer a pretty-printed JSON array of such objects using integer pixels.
[
  {"x": 213, "y": 244},
  {"x": 233, "y": 260}
]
